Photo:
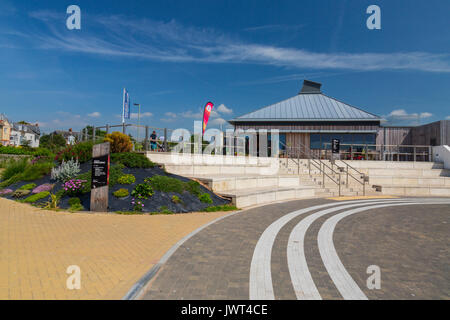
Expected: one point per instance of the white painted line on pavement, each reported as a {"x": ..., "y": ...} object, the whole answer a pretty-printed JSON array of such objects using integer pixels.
[
  {"x": 260, "y": 286},
  {"x": 301, "y": 278},
  {"x": 341, "y": 278}
]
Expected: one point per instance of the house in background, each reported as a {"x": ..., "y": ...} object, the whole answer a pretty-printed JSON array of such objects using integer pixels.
[
  {"x": 5, "y": 130},
  {"x": 70, "y": 136},
  {"x": 25, "y": 133}
]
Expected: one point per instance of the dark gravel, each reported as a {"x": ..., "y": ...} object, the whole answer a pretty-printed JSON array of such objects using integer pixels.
[{"x": 189, "y": 202}]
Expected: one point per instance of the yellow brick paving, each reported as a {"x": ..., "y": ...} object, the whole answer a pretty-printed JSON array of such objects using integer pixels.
[{"x": 112, "y": 251}]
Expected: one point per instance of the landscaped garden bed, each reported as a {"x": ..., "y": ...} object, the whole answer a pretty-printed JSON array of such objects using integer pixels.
[{"x": 136, "y": 185}]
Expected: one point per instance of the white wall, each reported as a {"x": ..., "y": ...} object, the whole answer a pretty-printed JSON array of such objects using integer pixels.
[{"x": 442, "y": 154}]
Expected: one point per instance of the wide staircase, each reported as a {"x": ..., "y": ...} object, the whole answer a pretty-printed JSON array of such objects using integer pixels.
[{"x": 248, "y": 181}]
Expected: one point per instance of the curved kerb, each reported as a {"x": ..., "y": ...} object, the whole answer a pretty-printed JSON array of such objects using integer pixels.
[{"x": 137, "y": 289}]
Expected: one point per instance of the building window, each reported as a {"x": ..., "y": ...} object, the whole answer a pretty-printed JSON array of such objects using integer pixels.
[{"x": 358, "y": 140}]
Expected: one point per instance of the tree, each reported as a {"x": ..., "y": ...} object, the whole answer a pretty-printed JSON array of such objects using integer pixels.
[{"x": 52, "y": 141}]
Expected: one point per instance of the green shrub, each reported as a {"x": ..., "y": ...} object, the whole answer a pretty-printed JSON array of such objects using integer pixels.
[
  {"x": 115, "y": 172},
  {"x": 15, "y": 167},
  {"x": 75, "y": 204},
  {"x": 10, "y": 181},
  {"x": 165, "y": 210},
  {"x": 176, "y": 199},
  {"x": 205, "y": 198},
  {"x": 74, "y": 201},
  {"x": 87, "y": 185},
  {"x": 37, "y": 196},
  {"x": 126, "y": 179},
  {"x": 81, "y": 151},
  {"x": 132, "y": 160},
  {"x": 36, "y": 171},
  {"x": 225, "y": 207},
  {"x": 142, "y": 191},
  {"x": 28, "y": 186},
  {"x": 193, "y": 187},
  {"x": 121, "y": 193},
  {"x": 21, "y": 193},
  {"x": 166, "y": 184},
  {"x": 76, "y": 207}
]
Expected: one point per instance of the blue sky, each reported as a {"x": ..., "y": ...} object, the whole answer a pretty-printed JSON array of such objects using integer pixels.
[{"x": 174, "y": 56}]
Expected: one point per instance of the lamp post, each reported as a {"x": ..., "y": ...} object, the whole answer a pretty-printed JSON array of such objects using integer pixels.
[{"x": 139, "y": 119}]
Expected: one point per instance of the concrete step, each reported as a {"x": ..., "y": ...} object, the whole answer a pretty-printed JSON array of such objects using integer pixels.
[
  {"x": 244, "y": 182},
  {"x": 419, "y": 181},
  {"x": 408, "y": 190},
  {"x": 259, "y": 196}
]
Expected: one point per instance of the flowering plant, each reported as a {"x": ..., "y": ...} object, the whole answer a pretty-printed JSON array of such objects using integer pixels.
[
  {"x": 43, "y": 187},
  {"x": 138, "y": 205},
  {"x": 5, "y": 192},
  {"x": 73, "y": 187}
]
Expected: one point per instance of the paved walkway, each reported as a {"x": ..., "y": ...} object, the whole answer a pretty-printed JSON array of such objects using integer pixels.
[
  {"x": 113, "y": 251},
  {"x": 315, "y": 249}
]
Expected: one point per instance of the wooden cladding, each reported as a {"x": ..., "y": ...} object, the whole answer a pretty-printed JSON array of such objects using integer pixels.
[{"x": 318, "y": 125}]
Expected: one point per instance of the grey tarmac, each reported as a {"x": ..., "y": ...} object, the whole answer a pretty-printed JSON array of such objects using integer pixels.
[{"x": 409, "y": 243}]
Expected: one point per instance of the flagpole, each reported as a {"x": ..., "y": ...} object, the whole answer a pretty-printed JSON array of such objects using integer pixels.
[{"x": 123, "y": 107}]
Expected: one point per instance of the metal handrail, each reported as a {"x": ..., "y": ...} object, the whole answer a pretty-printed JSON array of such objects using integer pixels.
[{"x": 313, "y": 159}]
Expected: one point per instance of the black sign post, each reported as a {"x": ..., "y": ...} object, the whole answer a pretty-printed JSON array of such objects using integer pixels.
[
  {"x": 335, "y": 145},
  {"x": 100, "y": 177}
]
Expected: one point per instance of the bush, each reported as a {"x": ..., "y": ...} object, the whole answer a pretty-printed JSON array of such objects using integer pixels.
[
  {"x": 166, "y": 184},
  {"x": 193, "y": 187},
  {"x": 81, "y": 151},
  {"x": 115, "y": 172},
  {"x": 165, "y": 210},
  {"x": 25, "y": 151},
  {"x": 225, "y": 207},
  {"x": 74, "y": 201},
  {"x": 205, "y": 198},
  {"x": 176, "y": 199},
  {"x": 67, "y": 170},
  {"x": 36, "y": 171},
  {"x": 5, "y": 192},
  {"x": 52, "y": 141},
  {"x": 10, "y": 181},
  {"x": 126, "y": 179},
  {"x": 38, "y": 196},
  {"x": 142, "y": 191},
  {"x": 138, "y": 205},
  {"x": 121, "y": 193},
  {"x": 75, "y": 204},
  {"x": 28, "y": 186},
  {"x": 73, "y": 187},
  {"x": 120, "y": 142},
  {"x": 21, "y": 193},
  {"x": 132, "y": 160},
  {"x": 43, "y": 187},
  {"x": 14, "y": 168}
]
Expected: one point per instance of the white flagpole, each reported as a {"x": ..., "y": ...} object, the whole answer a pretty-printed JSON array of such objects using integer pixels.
[{"x": 123, "y": 106}]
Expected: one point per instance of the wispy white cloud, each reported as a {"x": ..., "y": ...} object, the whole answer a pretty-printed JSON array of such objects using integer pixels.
[
  {"x": 447, "y": 117},
  {"x": 142, "y": 115},
  {"x": 94, "y": 114},
  {"x": 275, "y": 27},
  {"x": 403, "y": 117},
  {"x": 224, "y": 109},
  {"x": 119, "y": 36}
]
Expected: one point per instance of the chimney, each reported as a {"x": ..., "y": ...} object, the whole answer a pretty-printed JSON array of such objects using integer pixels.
[{"x": 310, "y": 87}]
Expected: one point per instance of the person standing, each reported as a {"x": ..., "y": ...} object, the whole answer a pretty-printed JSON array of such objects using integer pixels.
[{"x": 153, "y": 138}]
